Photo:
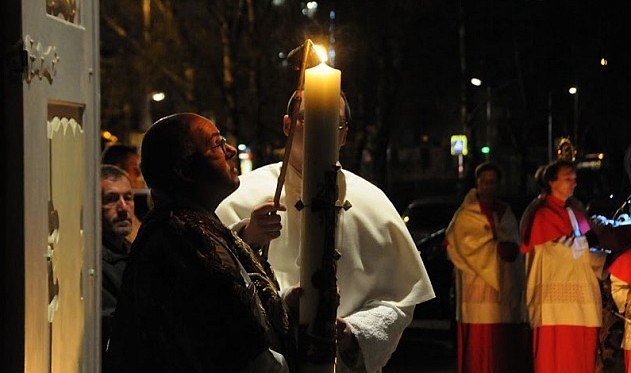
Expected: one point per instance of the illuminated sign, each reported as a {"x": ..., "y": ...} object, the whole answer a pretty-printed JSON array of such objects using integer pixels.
[{"x": 459, "y": 145}]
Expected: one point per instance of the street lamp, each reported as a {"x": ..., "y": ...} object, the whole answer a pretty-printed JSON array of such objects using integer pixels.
[
  {"x": 146, "y": 117},
  {"x": 478, "y": 82},
  {"x": 158, "y": 96},
  {"x": 574, "y": 92}
]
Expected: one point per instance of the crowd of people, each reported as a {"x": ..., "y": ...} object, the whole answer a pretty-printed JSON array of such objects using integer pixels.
[
  {"x": 208, "y": 280},
  {"x": 211, "y": 281},
  {"x": 549, "y": 272}
]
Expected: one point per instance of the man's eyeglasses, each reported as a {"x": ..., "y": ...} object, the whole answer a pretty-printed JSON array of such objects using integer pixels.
[
  {"x": 222, "y": 144},
  {"x": 341, "y": 124}
]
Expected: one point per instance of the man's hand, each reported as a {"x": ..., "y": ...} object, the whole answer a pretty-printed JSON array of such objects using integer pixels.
[
  {"x": 292, "y": 300},
  {"x": 264, "y": 224},
  {"x": 347, "y": 343}
]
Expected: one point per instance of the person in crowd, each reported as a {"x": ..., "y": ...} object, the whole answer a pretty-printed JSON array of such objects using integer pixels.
[
  {"x": 380, "y": 274},
  {"x": 117, "y": 206},
  {"x": 126, "y": 157},
  {"x": 614, "y": 234},
  {"x": 195, "y": 297},
  {"x": 562, "y": 292},
  {"x": 483, "y": 244},
  {"x": 620, "y": 277}
]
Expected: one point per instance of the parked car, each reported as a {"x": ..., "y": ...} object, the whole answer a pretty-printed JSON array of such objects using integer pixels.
[
  {"x": 425, "y": 216},
  {"x": 427, "y": 219}
]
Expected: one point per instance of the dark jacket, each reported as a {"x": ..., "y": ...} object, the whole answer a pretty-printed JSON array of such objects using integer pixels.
[
  {"x": 195, "y": 298},
  {"x": 112, "y": 269}
]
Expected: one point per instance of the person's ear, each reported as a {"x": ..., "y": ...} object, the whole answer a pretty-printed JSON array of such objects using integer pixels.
[
  {"x": 184, "y": 172},
  {"x": 286, "y": 124}
]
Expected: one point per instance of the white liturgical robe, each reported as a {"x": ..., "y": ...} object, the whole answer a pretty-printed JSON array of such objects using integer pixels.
[{"x": 380, "y": 274}]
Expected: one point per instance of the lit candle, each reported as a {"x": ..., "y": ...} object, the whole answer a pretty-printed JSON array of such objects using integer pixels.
[{"x": 321, "y": 100}]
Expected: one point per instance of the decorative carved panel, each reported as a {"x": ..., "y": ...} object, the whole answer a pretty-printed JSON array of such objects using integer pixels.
[{"x": 42, "y": 61}]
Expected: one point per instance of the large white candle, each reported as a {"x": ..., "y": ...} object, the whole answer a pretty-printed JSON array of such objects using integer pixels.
[{"x": 321, "y": 100}]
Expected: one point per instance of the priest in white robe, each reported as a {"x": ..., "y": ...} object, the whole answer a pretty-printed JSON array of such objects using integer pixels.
[{"x": 380, "y": 275}]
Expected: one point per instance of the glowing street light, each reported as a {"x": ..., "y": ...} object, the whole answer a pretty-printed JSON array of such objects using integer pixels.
[
  {"x": 574, "y": 92},
  {"x": 146, "y": 119},
  {"x": 158, "y": 96},
  {"x": 310, "y": 9},
  {"x": 478, "y": 82}
]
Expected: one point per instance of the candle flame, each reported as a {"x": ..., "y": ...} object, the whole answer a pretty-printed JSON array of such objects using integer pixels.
[{"x": 321, "y": 52}]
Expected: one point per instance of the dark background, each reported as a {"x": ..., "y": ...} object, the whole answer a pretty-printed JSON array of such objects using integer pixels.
[{"x": 406, "y": 67}]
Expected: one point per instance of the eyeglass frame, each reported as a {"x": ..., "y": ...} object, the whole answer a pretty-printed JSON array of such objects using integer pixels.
[{"x": 222, "y": 144}]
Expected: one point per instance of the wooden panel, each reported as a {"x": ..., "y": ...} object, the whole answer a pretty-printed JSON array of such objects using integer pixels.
[{"x": 65, "y": 241}]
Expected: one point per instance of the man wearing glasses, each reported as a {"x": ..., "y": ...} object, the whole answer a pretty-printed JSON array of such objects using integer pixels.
[
  {"x": 380, "y": 274},
  {"x": 194, "y": 297}
]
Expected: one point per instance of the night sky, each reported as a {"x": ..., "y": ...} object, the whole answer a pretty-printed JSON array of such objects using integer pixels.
[
  {"x": 527, "y": 53},
  {"x": 406, "y": 67}
]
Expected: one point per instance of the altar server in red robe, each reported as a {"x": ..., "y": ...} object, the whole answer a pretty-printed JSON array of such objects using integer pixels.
[{"x": 562, "y": 291}]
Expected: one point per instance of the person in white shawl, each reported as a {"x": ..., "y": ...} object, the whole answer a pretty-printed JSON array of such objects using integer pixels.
[
  {"x": 380, "y": 274},
  {"x": 482, "y": 243}
]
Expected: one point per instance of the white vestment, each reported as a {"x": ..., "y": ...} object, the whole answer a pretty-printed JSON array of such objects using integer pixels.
[
  {"x": 489, "y": 290},
  {"x": 380, "y": 274},
  {"x": 620, "y": 292}
]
